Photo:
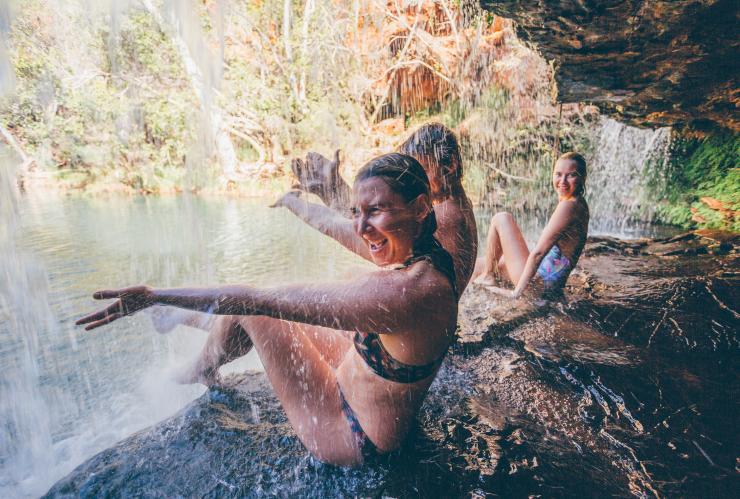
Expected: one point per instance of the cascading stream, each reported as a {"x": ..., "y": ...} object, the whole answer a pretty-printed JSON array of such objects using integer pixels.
[{"x": 624, "y": 162}]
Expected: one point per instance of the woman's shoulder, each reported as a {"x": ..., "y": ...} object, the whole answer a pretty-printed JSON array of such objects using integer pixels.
[
  {"x": 575, "y": 206},
  {"x": 431, "y": 282},
  {"x": 454, "y": 213}
]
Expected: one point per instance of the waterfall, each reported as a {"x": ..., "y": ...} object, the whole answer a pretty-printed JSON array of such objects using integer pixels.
[
  {"x": 25, "y": 317},
  {"x": 25, "y": 429},
  {"x": 626, "y": 168},
  {"x": 625, "y": 162}
]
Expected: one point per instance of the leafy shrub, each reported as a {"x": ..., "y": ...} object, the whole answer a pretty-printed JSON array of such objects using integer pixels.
[{"x": 702, "y": 168}]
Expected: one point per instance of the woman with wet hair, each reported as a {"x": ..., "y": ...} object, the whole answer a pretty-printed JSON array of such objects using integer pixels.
[
  {"x": 547, "y": 267},
  {"x": 350, "y": 361},
  {"x": 436, "y": 148}
]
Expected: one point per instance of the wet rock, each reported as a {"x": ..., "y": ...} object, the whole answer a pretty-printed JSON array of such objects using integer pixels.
[
  {"x": 719, "y": 236},
  {"x": 235, "y": 441},
  {"x": 485, "y": 315},
  {"x": 719, "y": 242},
  {"x": 599, "y": 245},
  {"x": 688, "y": 243},
  {"x": 212, "y": 447},
  {"x": 686, "y": 247},
  {"x": 650, "y": 63}
]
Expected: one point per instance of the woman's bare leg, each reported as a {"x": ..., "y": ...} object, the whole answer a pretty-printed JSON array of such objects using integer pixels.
[
  {"x": 505, "y": 243},
  {"x": 229, "y": 339},
  {"x": 301, "y": 375},
  {"x": 331, "y": 343},
  {"x": 306, "y": 385}
]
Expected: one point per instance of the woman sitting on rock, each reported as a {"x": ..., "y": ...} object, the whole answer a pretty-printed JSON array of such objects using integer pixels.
[
  {"x": 352, "y": 361},
  {"x": 548, "y": 266}
]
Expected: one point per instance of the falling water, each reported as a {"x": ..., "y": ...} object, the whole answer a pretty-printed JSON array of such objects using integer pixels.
[
  {"x": 24, "y": 413},
  {"x": 65, "y": 395},
  {"x": 625, "y": 161},
  {"x": 24, "y": 311}
]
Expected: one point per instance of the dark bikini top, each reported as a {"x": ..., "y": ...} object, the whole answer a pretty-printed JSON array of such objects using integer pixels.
[{"x": 371, "y": 349}]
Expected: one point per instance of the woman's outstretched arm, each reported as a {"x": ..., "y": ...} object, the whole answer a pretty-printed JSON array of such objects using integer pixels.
[
  {"x": 326, "y": 220},
  {"x": 565, "y": 213},
  {"x": 383, "y": 302}
]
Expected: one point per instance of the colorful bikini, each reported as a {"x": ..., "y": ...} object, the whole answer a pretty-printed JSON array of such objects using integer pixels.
[
  {"x": 372, "y": 351},
  {"x": 554, "y": 271}
]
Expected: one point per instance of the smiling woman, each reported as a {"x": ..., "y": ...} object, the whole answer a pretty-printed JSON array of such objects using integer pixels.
[
  {"x": 393, "y": 207},
  {"x": 351, "y": 359},
  {"x": 547, "y": 267},
  {"x": 383, "y": 220}
]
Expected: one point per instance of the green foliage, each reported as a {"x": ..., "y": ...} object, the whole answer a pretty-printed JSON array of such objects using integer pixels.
[
  {"x": 109, "y": 113},
  {"x": 297, "y": 87},
  {"x": 701, "y": 168},
  {"x": 144, "y": 49},
  {"x": 508, "y": 161}
]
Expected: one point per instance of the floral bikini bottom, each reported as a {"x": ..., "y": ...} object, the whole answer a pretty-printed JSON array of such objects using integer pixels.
[{"x": 554, "y": 270}]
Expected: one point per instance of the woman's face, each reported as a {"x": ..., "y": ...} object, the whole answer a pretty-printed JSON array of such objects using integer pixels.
[
  {"x": 566, "y": 180},
  {"x": 386, "y": 222}
]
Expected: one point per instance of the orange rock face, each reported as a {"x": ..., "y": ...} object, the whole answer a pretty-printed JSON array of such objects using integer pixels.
[
  {"x": 429, "y": 54},
  {"x": 390, "y": 126},
  {"x": 650, "y": 63}
]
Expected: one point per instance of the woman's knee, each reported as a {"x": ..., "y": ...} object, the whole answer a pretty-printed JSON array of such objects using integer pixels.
[
  {"x": 502, "y": 217},
  {"x": 341, "y": 449}
]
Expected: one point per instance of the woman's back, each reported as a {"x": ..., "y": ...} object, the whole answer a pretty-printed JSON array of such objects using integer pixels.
[
  {"x": 573, "y": 239},
  {"x": 458, "y": 234}
]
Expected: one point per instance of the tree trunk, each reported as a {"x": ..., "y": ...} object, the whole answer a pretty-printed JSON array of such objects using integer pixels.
[{"x": 307, "y": 14}]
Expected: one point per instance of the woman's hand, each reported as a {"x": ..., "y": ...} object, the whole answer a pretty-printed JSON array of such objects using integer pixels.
[
  {"x": 129, "y": 301},
  {"x": 317, "y": 174},
  {"x": 285, "y": 199}
]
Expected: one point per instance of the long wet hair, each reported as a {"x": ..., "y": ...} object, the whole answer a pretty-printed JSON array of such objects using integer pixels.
[
  {"x": 406, "y": 177},
  {"x": 438, "y": 147},
  {"x": 580, "y": 162}
]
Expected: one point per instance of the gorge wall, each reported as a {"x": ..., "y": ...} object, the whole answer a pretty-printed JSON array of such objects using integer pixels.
[{"x": 648, "y": 63}]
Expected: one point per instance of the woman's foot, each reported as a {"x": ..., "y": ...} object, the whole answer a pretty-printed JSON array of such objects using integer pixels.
[
  {"x": 486, "y": 280},
  {"x": 195, "y": 373},
  {"x": 218, "y": 351},
  {"x": 165, "y": 319}
]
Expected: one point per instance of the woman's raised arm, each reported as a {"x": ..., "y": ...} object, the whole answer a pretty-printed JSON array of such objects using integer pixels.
[
  {"x": 326, "y": 220},
  {"x": 382, "y": 302}
]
